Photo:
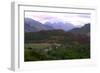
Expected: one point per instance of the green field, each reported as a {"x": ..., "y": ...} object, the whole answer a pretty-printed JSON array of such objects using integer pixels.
[{"x": 54, "y": 51}]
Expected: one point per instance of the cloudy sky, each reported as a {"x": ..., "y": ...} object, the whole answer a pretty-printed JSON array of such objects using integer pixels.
[{"x": 75, "y": 19}]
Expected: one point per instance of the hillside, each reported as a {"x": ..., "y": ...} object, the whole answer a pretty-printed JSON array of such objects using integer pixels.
[
  {"x": 52, "y": 36},
  {"x": 83, "y": 30}
]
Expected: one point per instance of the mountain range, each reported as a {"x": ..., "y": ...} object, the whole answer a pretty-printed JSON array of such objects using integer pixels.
[
  {"x": 60, "y": 26},
  {"x": 31, "y": 25}
]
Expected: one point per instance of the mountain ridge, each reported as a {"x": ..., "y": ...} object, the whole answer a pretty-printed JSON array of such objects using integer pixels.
[
  {"x": 83, "y": 30},
  {"x": 31, "y": 25}
]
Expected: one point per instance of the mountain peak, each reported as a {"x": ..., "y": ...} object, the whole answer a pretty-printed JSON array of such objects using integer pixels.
[{"x": 60, "y": 25}]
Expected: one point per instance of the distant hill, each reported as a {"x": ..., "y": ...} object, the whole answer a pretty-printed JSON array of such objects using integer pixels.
[
  {"x": 83, "y": 30},
  {"x": 31, "y": 25},
  {"x": 60, "y": 26}
]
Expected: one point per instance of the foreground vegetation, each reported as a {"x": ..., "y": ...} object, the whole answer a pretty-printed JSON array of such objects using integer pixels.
[{"x": 56, "y": 45}]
